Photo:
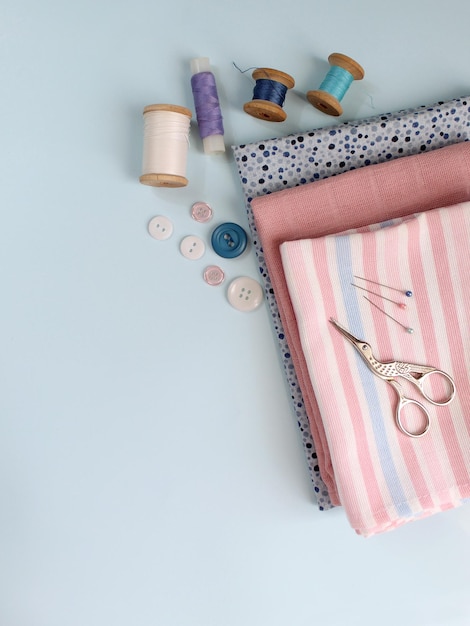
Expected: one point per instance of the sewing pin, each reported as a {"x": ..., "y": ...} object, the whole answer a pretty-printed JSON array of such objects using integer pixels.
[
  {"x": 407, "y": 328},
  {"x": 402, "y": 305},
  {"x": 407, "y": 293}
]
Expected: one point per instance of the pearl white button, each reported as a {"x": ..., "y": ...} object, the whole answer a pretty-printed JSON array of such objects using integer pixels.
[
  {"x": 245, "y": 293},
  {"x": 192, "y": 247},
  {"x": 160, "y": 227}
]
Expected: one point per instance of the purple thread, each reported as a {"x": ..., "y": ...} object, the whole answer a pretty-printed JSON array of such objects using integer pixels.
[{"x": 206, "y": 102}]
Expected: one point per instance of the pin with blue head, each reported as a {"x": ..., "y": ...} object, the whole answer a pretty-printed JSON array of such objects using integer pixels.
[{"x": 343, "y": 71}]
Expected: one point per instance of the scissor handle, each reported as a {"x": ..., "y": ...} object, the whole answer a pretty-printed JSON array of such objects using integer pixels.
[
  {"x": 419, "y": 382},
  {"x": 403, "y": 402}
]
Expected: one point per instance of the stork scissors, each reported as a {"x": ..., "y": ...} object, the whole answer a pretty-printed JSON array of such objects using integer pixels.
[{"x": 415, "y": 374}]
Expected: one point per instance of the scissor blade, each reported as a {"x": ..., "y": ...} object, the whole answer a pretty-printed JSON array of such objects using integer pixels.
[
  {"x": 354, "y": 340},
  {"x": 361, "y": 346}
]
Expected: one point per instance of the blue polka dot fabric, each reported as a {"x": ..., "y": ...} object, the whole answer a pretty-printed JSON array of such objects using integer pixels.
[{"x": 304, "y": 157}]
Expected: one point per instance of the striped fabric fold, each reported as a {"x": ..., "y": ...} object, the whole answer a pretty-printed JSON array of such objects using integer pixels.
[{"x": 382, "y": 477}]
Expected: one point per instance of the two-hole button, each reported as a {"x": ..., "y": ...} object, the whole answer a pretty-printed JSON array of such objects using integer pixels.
[
  {"x": 160, "y": 227},
  {"x": 192, "y": 247},
  {"x": 229, "y": 240}
]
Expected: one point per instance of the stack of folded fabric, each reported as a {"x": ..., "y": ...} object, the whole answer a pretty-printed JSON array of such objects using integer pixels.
[
  {"x": 382, "y": 477},
  {"x": 418, "y": 161}
]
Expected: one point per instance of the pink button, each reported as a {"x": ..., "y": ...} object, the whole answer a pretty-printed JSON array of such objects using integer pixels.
[
  {"x": 214, "y": 275},
  {"x": 201, "y": 212}
]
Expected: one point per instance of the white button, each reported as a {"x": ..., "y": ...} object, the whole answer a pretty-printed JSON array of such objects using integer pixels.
[
  {"x": 160, "y": 227},
  {"x": 192, "y": 247},
  {"x": 245, "y": 294}
]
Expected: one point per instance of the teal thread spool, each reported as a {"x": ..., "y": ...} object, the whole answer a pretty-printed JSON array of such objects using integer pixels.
[{"x": 342, "y": 73}]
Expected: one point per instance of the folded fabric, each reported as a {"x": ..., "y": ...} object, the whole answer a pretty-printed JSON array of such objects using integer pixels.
[
  {"x": 383, "y": 477},
  {"x": 272, "y": 165},
  {"x": 349, "y": 201}
]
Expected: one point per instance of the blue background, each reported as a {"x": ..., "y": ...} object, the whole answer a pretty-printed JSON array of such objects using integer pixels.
[{"x": 151, "y": 470}]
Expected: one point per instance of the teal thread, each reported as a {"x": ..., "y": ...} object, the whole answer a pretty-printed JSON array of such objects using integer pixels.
[{"x": 337, "y": 82}]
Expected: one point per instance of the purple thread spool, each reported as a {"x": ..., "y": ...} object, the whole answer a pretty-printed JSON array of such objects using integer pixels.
[{"x": 206, "y": 102}]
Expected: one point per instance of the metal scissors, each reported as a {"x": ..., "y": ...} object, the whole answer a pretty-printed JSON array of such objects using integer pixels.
[{"x": 415, "y": 374}]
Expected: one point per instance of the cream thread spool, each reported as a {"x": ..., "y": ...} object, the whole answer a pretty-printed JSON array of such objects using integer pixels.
[
  {"x": 269, "y": 106},
  {"x": 166, "y": 141},
  {"x": 342, "y": 73}
]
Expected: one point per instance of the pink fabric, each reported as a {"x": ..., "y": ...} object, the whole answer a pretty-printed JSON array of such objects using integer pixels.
[
  {"x": 351, "y": 200},
  {"x": 383, "y": 477}
]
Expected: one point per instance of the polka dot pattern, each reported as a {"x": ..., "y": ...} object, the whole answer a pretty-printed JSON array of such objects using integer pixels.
[{"x": 276, "y": 164}]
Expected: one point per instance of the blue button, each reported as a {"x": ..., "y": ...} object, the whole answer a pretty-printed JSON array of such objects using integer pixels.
[{"x": 229, "y": 240}]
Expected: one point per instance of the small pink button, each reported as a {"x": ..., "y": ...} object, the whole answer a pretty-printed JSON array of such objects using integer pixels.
[
  {"x": 214, "y": 275},
  {"x": 201, "y": 212}
]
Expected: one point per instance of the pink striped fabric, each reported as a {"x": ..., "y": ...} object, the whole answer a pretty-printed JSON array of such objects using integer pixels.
[
  {"x": 384, "y": 478},
  {"x": 350, "y": 200}
]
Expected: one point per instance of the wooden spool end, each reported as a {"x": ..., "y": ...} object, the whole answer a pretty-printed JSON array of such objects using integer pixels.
[
  {"x": 352, "y": 66},
  {"x": 325, "y": 102},
  {"x": 270, "y": 74},
  {"x": 163, "y": 180},
  {"x": 175, "y": 108},
  {"x": 265, "y": 109}
]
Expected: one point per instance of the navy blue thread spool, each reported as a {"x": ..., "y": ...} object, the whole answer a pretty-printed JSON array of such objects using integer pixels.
[
  {"x": 269, "y": 94},
  {"x": 342, "y": 73}
]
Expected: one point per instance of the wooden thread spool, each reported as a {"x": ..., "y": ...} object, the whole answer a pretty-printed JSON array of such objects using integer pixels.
[
  {"x": 329, "y": 101},
  {"x": 166, "y": 141},
  {"x": 269, "y": 108}
]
